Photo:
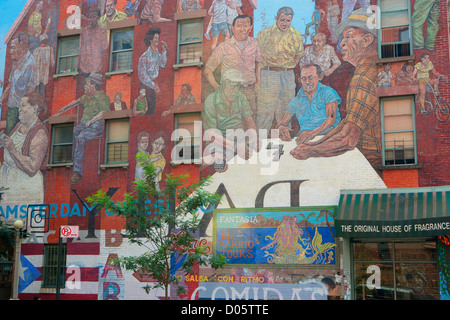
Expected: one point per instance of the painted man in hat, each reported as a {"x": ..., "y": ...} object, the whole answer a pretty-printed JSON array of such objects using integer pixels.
[
  {"x": 227, "y": 109},
  {"x": 91, "y": 125},
  {"x": 360, "y": 127}
]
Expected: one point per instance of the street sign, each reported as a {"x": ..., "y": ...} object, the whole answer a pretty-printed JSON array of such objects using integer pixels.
[{"x": 69, "y": 231}]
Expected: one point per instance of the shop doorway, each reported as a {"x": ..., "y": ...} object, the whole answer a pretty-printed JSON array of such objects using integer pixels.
[{"x": 395, "y": 270}]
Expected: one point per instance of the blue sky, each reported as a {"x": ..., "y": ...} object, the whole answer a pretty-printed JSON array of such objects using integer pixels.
[{"x": 10, "y": 10}]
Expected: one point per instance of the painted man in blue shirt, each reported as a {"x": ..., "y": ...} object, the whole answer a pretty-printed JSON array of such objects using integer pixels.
[{"x": 315, "y": 107}]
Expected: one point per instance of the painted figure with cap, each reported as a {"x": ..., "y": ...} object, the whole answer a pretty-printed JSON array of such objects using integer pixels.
[
  {"x": 227, "y": 108},
  {"x": 360, "y": 127}
]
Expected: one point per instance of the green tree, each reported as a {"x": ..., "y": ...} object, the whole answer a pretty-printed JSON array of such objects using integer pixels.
[{"x": 165, "y": 222}]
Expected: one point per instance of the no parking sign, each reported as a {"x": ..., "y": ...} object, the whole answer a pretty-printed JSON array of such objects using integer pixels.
[{"x": 69, "y": 231}]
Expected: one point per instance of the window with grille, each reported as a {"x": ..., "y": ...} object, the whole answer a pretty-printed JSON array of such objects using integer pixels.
[
  {"x": 394, "y": 37},
  {"x": 68, "y": 48},
  {"x": 190, "y": 45},
  {"x": 398, "y": 127},
  {"x": 49, "y": 274},
  {"x": 62, "y": 142},
  {"x": 187, "y": 140},
  {"x": 117, "y": 141},
  {"x": 121, "y": 50}
]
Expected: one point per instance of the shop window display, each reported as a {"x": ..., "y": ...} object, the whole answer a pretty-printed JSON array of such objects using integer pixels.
[{"x": 395, "y": 271}]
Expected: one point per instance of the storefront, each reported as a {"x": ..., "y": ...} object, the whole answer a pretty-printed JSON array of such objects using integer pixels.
[{"x": 396, "y": 242}]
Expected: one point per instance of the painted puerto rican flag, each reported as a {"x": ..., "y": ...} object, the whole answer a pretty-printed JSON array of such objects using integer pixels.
[{"x": 82, "y": 272}]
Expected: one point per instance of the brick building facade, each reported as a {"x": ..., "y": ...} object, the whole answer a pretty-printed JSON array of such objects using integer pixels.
[{"x": 358, "y": 91}]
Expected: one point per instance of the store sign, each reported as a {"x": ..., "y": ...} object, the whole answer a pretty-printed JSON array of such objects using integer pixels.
[
  {"x": 393, "y": 229},
  {"x": 289, "y": 236}
]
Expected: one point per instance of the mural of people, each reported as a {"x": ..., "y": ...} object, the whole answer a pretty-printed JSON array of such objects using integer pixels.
[
  {"x": 405, "y": 76},
  {"x": 111, "y": 14},
  {"x": 240, "y": 52},
  {"x": 425, "y": 11},
  {"x": 333, "y": 12},
  {"x": 422, "y": 75},
  {"x": 316, "y": 19},
  {"x": 186, "y": 96},
  {"x": 315, "y": 106},
  {"x": 233, "y": 10},
  {"x": 152, "y": 11},
  {"x": 226, "y": 108},
  {"x": 359, "y": 127},
  {"x": 35, "y": 26},
  {"x": 218, "y": 22},
  {"x": 385, "y": 76},
  {"x": 149, "y": 64},
  {"x": 21, "y": 79},
  {"x": 93, "y": 43},
  {"x": 143, "y": 140},
  {"x": 25, "y": 153},
  {"x": 45, "y": 62},
  {"x": 118, "y": 103},
  {"x": 158, "y": 145},
  {"x": 91, "y": 125},
  {"x": 140, "y": 105},
  {"x": 321, "y": 54},
  {"x": 281, "y": 49}
]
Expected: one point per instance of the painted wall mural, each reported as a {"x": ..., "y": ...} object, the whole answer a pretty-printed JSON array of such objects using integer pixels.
[
  {"x": 307, "y": 68},
  {"x": 291, "y": 237}
]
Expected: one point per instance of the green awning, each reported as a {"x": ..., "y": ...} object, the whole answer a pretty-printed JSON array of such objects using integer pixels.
[{"x": 393, "y": 213}]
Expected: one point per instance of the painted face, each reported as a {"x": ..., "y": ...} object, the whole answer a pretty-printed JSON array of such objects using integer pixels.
[
  {"x": 283, "y": 22},
  {"x": 117, "y": 98},
  {"x": 242, "y": 28},
  {"x": 17, "y": 49},
  {"x": 143, "y": 143},
  {"x": 318, "y": 43},
  {"x": 39, "y": 6},
  {"x": 110, "y": 8},
  {"x": 309, "y": 79},
  {"x": 352, "y": 44},
  {"x": 231, "y": 89},
  {"x": 184, "y": 91},
  {"x": 155, "y": 41},
  {"x": 158, "y": 145},
  {"x": 27, "y": 112},
  {"x": 93, "y": 19},
  {"x": 89, "y": 87},
  {"x": 425, "y": 59}
]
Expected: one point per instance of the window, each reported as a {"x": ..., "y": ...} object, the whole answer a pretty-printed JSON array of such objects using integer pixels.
[
  {"x": 394, "y": 35},
  {"x": 68, "y": 54},
  {"x": 62, "y": 140},
  {"x": 187, "y": 138},
  {"x": 51, "y": 264},
  {"x": 190, "y": 46},
  {"x": 117, "y": 141},
  {"x": 407, "y": 270},
  {"x": 121, "y": 50},
  {"x": 398, "y": 128}
]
